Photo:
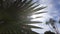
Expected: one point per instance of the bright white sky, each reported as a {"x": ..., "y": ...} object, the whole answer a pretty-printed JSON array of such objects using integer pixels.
[{"x": 46, "y": 16}]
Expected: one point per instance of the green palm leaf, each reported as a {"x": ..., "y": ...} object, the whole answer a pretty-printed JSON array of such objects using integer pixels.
[{"x": 13, "y": 16}]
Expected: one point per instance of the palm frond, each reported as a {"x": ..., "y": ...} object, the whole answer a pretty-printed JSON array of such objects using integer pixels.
[
  {"x": 14, "y": 14},
  {"x": 30, "y": 26},
  {"x": 40, "y": 12}
]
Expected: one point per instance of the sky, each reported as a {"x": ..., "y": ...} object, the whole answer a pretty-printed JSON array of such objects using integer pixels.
[{"x": 53, "y": 8}]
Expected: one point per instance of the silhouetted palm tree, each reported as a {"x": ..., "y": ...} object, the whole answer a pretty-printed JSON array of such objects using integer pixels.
[{"x": 13, "y": 16}]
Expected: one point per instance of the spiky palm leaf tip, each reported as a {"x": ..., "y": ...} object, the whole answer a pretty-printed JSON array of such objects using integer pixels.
[{"x": 13, "y": 16}]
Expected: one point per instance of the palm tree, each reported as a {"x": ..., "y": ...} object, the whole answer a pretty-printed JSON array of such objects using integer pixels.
[
  {"x": 52, "y": 22},
  {"x": 13, "y": 16}
]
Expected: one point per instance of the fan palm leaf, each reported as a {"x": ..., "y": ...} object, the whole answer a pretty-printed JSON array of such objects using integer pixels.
[{"x": 13, "y": 16}]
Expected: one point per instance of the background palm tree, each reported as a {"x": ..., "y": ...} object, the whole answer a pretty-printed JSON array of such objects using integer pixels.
[
  {"x": 53, "y": 22},
  {"x": 13, "y": 16}
]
